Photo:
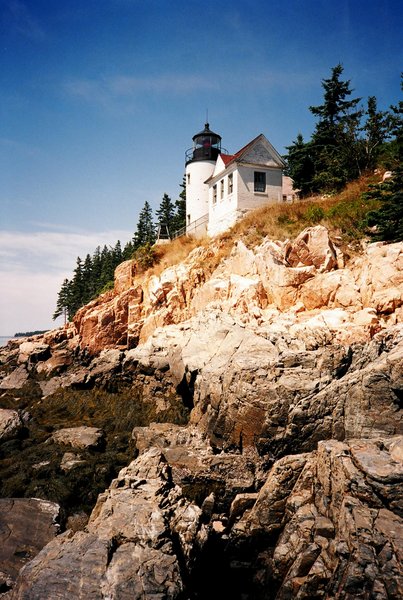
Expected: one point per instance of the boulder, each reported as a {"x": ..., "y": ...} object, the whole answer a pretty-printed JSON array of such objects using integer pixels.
[
  {"x": 26, "y": 526},
  {"x": 195, "y": 467},
  {"x": 78, "y": 437},
  {"x": 126, "y": 549},
  {"x": 10, "y": 424},
  {"x": 15, "y": 380},
  {"x": 293, "y": 382},
  {"x": 340, "y": 530},
  {"x": 312, "y": 247},
  {"x": 282, "y": 275},
  {"x": 33, "y": 352}
]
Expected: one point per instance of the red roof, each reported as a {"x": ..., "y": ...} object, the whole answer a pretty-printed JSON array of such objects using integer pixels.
[{"x": 226, "y": 158}]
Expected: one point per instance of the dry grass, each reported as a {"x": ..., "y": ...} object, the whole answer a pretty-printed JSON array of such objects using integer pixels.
[
  {"x": 343, "y": 214},
  {"x": 173, "y": 253}
]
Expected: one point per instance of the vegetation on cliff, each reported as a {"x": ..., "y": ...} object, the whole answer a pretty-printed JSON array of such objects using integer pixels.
[
  {"x": 337, "y": 173},
  {"x": 348, "y": 140},
  {"x": 94, "y": 275}
]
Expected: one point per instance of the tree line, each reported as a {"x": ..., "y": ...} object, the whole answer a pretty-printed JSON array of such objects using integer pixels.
[
  {"x": 94, "y": 275},
  {"x": 349, "y": 139}
]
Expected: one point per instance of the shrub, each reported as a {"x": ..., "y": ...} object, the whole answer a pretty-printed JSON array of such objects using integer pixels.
[
  {"x": 314, "y": 214},
  {"x": 146, "y": 256}
]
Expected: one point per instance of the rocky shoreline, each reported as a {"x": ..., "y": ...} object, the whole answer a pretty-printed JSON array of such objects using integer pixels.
[{"x": 226, "y": 429}]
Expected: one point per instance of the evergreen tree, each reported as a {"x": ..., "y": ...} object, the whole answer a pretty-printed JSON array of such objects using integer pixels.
[
  {"x": 89, "y": 285},
  {"x": 388, "y": 219},
  {"x": 179, "y": 220},
  {"x": 166, "y": 213},
  {"x": 145, "y": 232},
  {"x": 334, "y": 140},
  {"x": 300, "y": 166},
  {"x": 107, "y": 269},
  {"x": 117, "y": 254},
  {"x": 76, "y": 299},
  {"x": 128, "y": 250},
  {"x": 63, "y": 301},
  {"x": 376, "y": 131}
]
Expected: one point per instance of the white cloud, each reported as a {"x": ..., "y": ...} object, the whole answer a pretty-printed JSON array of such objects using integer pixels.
[
  {"x": 105, "y": 90},
  {"x": 33, "y": 266}
]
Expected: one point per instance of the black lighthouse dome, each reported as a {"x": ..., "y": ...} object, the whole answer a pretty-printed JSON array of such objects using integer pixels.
[{"x": 206, "y": 146}]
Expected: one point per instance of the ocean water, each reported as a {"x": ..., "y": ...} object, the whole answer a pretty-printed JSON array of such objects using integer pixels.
[{"x": 4, "y": 339}]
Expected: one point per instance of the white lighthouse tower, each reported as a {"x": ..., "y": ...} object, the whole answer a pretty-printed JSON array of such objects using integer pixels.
[{"x": 200, "y": 164}]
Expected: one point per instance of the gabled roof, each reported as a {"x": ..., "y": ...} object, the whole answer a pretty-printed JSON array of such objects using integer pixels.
[{"x": 229, "y": 159}]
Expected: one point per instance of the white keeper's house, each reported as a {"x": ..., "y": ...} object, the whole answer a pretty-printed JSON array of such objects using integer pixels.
[{"x": 221, "y": 188}]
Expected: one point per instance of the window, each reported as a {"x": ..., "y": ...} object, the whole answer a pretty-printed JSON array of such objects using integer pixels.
[
  {"x": 214, "y": 194},
  {"x": 230, "y": 183},
  {"x": 188, "y": 219},
  {"x": 260, "y": 181},
  {"x": 188, "y": 178},
  {"x": 222, "y": 189}
]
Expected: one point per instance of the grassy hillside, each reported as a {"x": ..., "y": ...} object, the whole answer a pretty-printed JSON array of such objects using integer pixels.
[{"x": 343, "y": 214}]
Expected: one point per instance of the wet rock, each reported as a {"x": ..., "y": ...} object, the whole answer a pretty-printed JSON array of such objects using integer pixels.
[
  {"x": 339, "y": 529},
  {"x": 10, "y": 424},
  {"x": 70, "y": 461},
  {"x": 126, "y": 549},
  {"x": 16, "y": 380},
  {"x": 78, "y": 437},
  {"x": 26, "y": 526},
  {"x": 205, "y": 477}
]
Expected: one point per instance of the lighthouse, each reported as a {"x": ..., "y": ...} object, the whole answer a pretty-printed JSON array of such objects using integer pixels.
[{"x": 200, "y": 164}]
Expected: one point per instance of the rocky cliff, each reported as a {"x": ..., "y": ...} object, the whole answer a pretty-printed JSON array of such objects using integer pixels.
[{"x": 243, "y": 410}]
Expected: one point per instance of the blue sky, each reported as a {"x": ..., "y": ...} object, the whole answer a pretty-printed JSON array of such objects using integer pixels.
[{"x": 99, "y": 101}]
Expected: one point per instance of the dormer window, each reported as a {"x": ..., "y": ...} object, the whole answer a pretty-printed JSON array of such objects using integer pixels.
[{"x": 260, "y": 181}]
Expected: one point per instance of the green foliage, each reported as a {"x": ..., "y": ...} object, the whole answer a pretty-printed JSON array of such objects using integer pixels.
[
  {"x": 179, "y": 220},
  {"x": 146, "y": 256},
  {"x": 107, "y": 287},
  {"x": 95, "y": 275},
  {"x": 300, "y": 166},
  {"x": 284, "y": 219},
  {"x": 346, "y": 142},
  {"x": 314, "y": 214},
  {"x": 387, "y": 220},
  {"x": 145, "y": 232},
  {"x": 166, "y": 213},
  {"x": 349, "y": 217},
  {"x": 92, "y": 277}
]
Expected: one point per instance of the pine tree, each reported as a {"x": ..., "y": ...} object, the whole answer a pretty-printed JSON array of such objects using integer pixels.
[
  {"x": 376, "y": 129},
  {"x": 334, "y": 141},
  {"x": 128, "y": 250},
  {"x": 300, "y": 166},
  {"x": 179, "y": 220},
  {"x": 145, "y": 232},
  {"x": 388, "y": 219},
  {"x": 166, "y": 213},
  {"x": 117, "y": 254},
  {"x": 89, "y": 285},
  {"x": 63, "y": 301},
  {"x": 76, "y": 288}
]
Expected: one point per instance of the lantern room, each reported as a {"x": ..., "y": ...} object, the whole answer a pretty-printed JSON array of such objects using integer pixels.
[{"x": 206, "y": 146}]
